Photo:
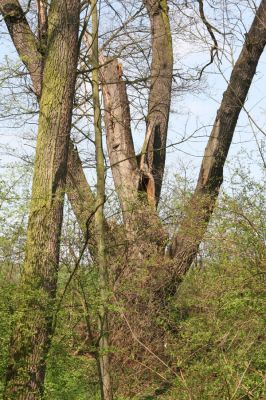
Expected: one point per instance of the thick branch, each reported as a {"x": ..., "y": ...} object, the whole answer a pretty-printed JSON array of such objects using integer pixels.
[
  {"x": 24, "y": 40},
  {"x": 153, "y": 152},
  {"x": 194, "y": 225},
  {"x": 78, "y": 191}
]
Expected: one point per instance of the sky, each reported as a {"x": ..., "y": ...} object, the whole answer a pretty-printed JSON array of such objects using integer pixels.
[{"x": 191, "y": 112}]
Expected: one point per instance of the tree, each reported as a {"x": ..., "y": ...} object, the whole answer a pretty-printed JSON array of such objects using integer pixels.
[
  {"x": 138, "y": 178},
  {"x": 33, "y": 324}
]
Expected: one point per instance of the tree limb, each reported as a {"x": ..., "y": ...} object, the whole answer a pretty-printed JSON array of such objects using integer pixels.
[
  {"x": 199, "y": 211},
  {"x": 26, "y": 43}
]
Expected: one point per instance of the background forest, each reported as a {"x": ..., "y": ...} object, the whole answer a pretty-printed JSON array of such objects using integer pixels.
[{"x": 132, "y": 261}]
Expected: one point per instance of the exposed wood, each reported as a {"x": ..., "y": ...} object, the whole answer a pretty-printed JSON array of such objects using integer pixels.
[
  {"x": 128, "y": 178},
  {"x": 118, "y": 131},
  {"x": 42, "y": 23},
  {"x": 119, "y": 137}
]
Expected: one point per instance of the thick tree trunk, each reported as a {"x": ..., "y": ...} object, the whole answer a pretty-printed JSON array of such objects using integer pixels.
[
  {"x": 193, "y": 227},
  {"x": 33, "y": 320}
]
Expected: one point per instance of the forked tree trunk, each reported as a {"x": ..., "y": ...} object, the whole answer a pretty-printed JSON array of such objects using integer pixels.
[
  {"x": 148, "y": 177},
  {"x": 33, "y": 320},
  {"x": 132, "y": 178},
  {"x": 199, "y": 210}
]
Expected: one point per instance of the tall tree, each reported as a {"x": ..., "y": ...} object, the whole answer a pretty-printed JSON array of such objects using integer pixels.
[
  {"x": 33, "y": 321},
  {"x": 139, "y": 177}
]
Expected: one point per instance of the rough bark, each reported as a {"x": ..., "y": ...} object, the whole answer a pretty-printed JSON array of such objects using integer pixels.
[
  {"x": 79, "y": 192},
  {"x": 193, "y": 227},
  {"x": 33, "y": 325}
]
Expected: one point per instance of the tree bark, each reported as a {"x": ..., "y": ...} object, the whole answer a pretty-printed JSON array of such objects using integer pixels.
[
  {"x": 80, "y": 196},
  {"x": 33, "y": 321},
  {"x": 193, "y": 226}
]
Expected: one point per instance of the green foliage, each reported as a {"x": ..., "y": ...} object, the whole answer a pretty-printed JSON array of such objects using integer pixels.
[
  {"x": 14, "y": 186},
  {"x": 217, "y": 322},
  {"x": 220, "y": 343},
  {"x": 215, "y": 325},
  {"x": 70, "y": 377}
]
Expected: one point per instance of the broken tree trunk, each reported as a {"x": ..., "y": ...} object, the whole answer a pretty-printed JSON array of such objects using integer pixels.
[
  {"x": 119, "y": 137},
  {"x": 130, "y": 178}
]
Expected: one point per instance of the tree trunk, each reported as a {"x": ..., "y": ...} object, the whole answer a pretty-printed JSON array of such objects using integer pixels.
[
  {"x": 154, "y": 149},
  {"x": 33, "y": 320}
]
